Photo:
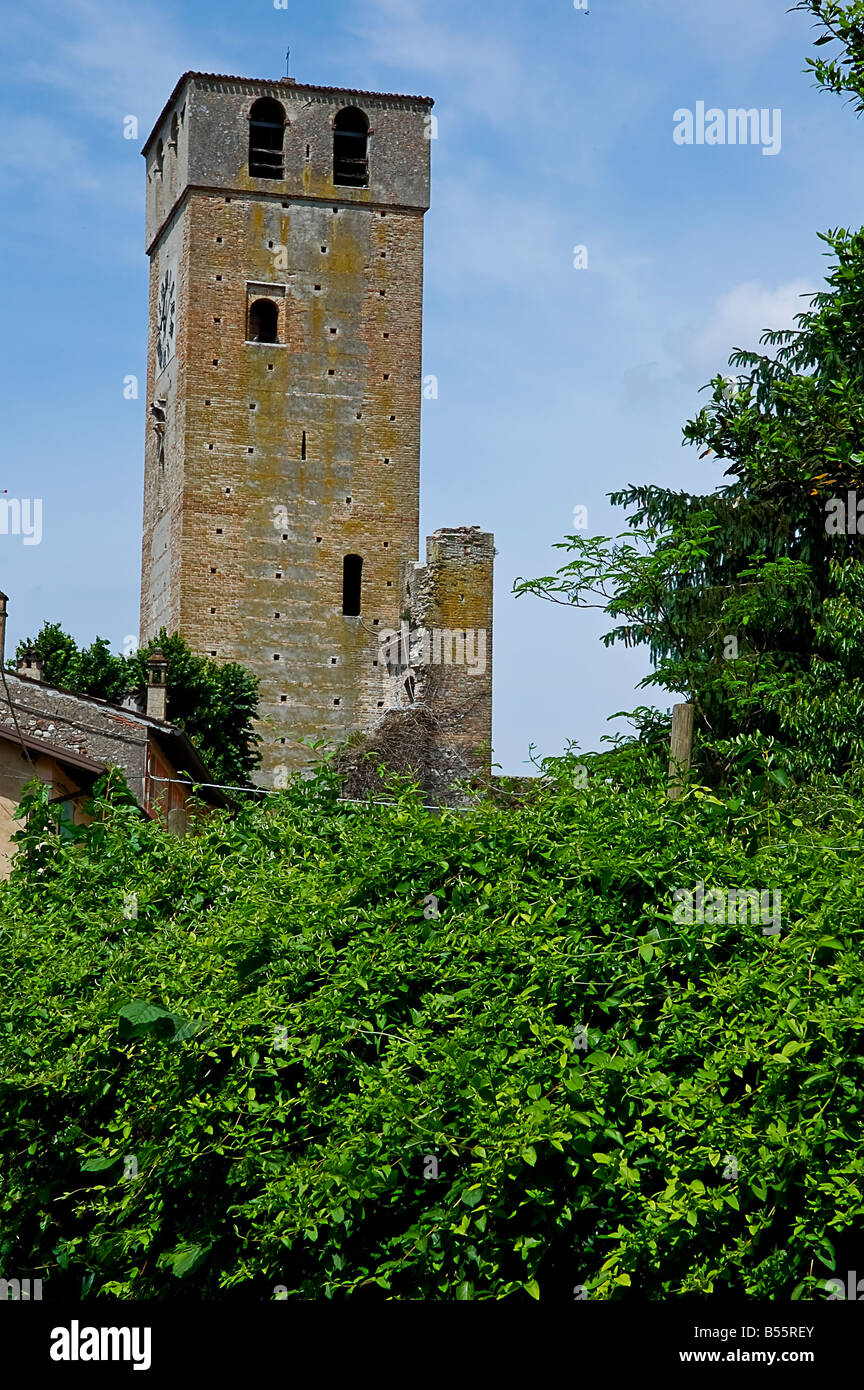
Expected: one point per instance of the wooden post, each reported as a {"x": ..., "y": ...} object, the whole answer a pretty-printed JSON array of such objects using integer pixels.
[{"x": 680, "y": 749}]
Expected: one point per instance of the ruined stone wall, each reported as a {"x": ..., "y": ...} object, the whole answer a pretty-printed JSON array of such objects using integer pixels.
[
  {"x": 451, "y": 615},
  {"x": 437, "y": 727},
  {"x": 281, "y": 459}
]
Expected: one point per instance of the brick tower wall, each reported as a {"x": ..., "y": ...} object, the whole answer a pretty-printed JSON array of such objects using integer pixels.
[{"x": 244, "y": 536}]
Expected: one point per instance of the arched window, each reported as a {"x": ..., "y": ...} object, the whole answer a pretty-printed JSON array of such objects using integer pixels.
[
  {"x": 266, "y": 137},
  {"x": 352, "y": 576},
  {"x": 159, "y": 161},
  {"x": 263, "y": 322},
  {"x": 351, "y": 148}
]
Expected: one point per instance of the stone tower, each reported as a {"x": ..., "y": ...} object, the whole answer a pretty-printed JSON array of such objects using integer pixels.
[{"x": 284, "y": 386}]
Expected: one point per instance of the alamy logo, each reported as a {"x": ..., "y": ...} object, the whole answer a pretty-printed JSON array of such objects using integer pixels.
[
  {"x": 844, "y": 517},
  {"x": 852, "y": 1291},
  {"x": 76, "y": 1343},
  {"x": 734, "y": 127},
  {"x": 19, "y": 1290},
  {"x": 728, "y": 906},
  {"x": 22, "y": 517},
  {"x": 435, "y": 647}
]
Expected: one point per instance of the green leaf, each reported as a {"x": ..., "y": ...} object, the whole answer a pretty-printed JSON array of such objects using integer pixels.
[
  {"x": 140, "y": 1018},
  {"x": 472, "y": 1196},
  {"x": 186, "y": 1259},
  {"x": 100, "y": 1164}
]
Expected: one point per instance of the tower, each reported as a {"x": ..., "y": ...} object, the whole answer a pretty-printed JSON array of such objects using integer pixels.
[{"x": 281, "y": 497}]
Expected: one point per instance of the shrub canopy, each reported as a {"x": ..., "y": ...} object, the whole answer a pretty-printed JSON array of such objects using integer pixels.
[{"x": 290, "y": 1044}]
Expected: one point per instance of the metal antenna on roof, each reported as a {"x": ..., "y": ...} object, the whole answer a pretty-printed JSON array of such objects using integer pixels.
[{"x": 288, "y": 63}]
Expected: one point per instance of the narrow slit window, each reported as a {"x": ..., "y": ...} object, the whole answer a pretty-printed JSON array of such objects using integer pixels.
[
  {"x": 266, "y": 139},
  {"x": 351, "y": 148},
  {"x": 303, "y": 446},
  {"x": 352, "y": 578}
]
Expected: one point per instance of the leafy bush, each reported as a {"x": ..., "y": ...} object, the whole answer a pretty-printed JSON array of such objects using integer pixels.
[{"x": 286, "y": 1036}]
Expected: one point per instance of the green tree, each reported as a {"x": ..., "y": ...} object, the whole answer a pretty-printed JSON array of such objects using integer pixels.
[
  {"x": 750, "y": 599},
  {"x": 843, "y": 24}
]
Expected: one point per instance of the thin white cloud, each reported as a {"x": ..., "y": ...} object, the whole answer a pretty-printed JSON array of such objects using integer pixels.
[
  {"x": 89, "y": 61},
  {"x": 738, "y": 319},
  {"x": 112, "y": 60},
  {"x": 483, "y": 233},
  {"x": 36, "y": 150},
  {"x": 737, "y": 33},
  {"x": 414, "y": 35},
  {"x": 690, "y": 353}
]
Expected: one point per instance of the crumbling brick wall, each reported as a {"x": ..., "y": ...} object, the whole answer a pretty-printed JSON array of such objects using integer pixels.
[
  {"x": 438, "y": 727},
  {"x": 451, "y": 651}
]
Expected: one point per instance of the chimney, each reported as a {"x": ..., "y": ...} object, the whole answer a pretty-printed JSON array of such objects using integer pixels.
[
  {"x": 157, "y": 671},
  {"x": 29, "y": 665}
]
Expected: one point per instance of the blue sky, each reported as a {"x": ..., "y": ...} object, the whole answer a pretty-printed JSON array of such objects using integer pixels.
[{"x": 557, "y": 385}]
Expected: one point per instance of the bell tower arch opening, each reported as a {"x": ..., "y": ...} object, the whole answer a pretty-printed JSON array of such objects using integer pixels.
[
  {"x": 351, "y": 148},
  {"x": 266, "y": 139}
]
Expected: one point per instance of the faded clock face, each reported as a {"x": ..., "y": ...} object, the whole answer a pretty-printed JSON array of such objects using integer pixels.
[{"x": 166, "y": 320}]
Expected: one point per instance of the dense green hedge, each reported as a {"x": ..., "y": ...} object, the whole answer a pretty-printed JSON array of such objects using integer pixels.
[{"x": 297, "y": 1164}]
